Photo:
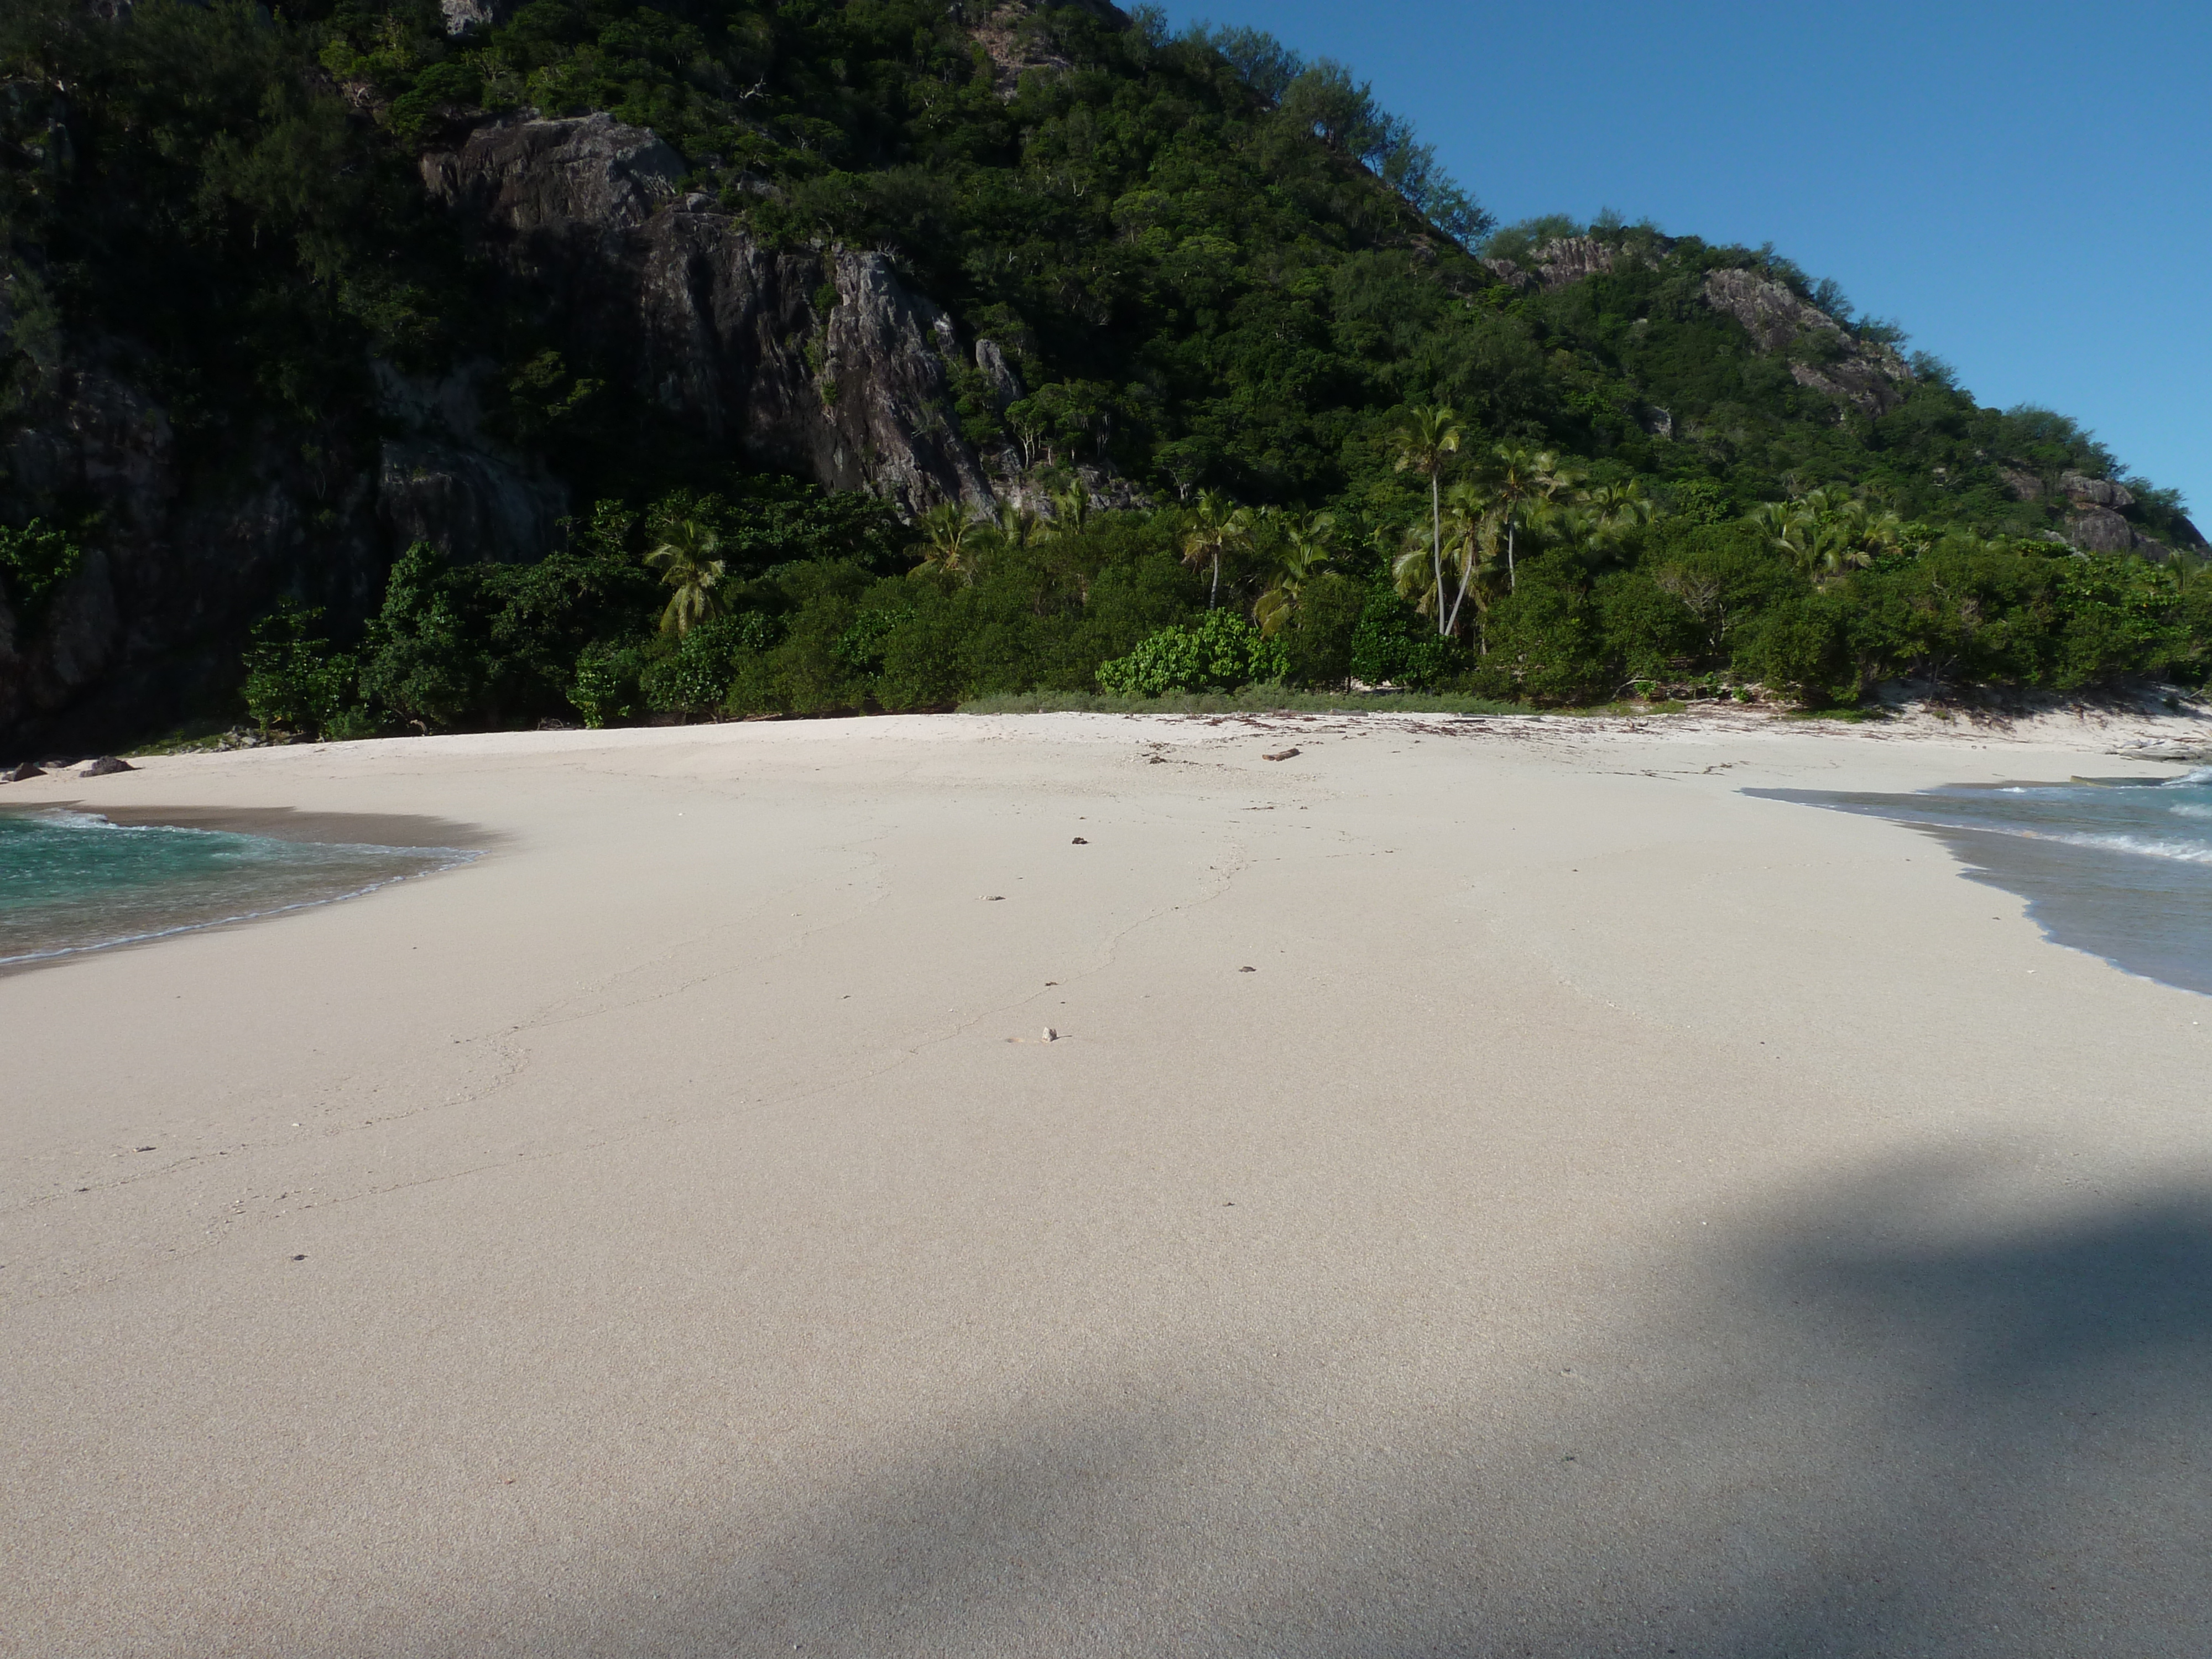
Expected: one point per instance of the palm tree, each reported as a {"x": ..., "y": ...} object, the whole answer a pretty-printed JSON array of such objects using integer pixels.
[
  {"x": 1072, "y": 511},
  {"x": 1216, "y": 526},
  {"x": 945, "y": 529},
  {"x": 1621, "y": 507},
  {"x": 1307, "y": 541},
  {"x": 686, "y": 560},
  {"x": 1472, "y": 523},
  {"x": 1016, "y": 525},
  {"x": 1520, "y": 479},
  {"x": 1825, "y": 532},
  {"x": 1430, "y": 437}
]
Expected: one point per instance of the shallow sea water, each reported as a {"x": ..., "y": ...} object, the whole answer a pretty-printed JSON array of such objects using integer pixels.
[
  {"x": 71, "y": 882},
  {"x": 2119, "y": 867}
]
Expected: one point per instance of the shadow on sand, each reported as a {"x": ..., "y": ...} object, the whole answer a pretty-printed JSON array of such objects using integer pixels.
[{"x": 1891, "y": 1426}]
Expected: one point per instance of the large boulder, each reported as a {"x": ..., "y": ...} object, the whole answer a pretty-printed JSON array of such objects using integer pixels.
[
  {"x": 2099, "y": 530},
  {"x": 2084, "y": 491}
]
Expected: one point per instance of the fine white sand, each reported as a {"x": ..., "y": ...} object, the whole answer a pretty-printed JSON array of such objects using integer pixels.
[{"x": 1616, "y": 1216}]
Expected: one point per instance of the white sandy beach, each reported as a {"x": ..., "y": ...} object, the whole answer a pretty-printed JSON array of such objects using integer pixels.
[{"x": 1615, "y": 1216}]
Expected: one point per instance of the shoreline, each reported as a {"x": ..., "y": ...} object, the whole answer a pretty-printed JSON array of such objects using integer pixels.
[
  {"x": 398, "y": 830},
  {"x": 1611, "y": 1207},
  {"x": 154, "y": 913}
]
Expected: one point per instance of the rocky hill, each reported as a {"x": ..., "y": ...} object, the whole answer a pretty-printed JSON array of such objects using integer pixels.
[{"x": 285, "y": 296}]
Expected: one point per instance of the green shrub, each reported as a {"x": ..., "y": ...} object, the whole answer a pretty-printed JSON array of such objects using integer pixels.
[
  {"x": 692, "y": 679},
  {"x": 34, "y": 561},
  {"x": 605, "y": 690},
  {"x": 1393, "y": 644},
  {"x": 1222, "y": 653},
  {"x": 296, "y": 683}
]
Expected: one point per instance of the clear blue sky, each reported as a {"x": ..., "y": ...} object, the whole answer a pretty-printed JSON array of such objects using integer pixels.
[{"x": 2026, "y": 187}]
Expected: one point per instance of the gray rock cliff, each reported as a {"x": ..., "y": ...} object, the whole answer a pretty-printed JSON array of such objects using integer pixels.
[
  {"x": 588, "y": 219},
  {"x": 736, "y": 338},
  {"x": 1871, "y": 378},
  {"x": 1563, "y": 260}
]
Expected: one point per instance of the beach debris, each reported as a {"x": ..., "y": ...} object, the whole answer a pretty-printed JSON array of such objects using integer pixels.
[
  {"x": 106, "y": 766},
  {"x": 995, "y": 898},
  {"x": 299, "y": 1258},
  {"x": 1080, "y": 842},
  {"x": 1248, "y": 970},
  {"x": 22, "y": 774},
  {"x": 1051, "y": 1035},
  {"x": 1287, "y": 754}
]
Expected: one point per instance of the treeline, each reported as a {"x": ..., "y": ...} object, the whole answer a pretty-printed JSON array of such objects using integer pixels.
[{"x": 772, "y": 599}]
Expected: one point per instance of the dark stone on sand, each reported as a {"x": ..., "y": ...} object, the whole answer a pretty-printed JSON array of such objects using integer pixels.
[
  {"x": 106, "y": 766},
  {"x": 22, "y": 774}
]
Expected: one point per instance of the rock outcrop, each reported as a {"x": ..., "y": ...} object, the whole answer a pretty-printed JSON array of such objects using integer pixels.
[
  {"x": 1871, "y": 378},
  {"x": 2087, "y": 492},
  {"x": 181, "y": 555},
  {"x": 822, "y": 362},
  {"x": 1563, "y": 260},
  {"x": 1014, "y": 51},
  {"x": 441, "y": 479},
  {"x": 2096, "y": 519}
]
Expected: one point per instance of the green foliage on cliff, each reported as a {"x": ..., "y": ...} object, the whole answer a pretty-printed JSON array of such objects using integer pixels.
[{"x": 1213, "y": 266}]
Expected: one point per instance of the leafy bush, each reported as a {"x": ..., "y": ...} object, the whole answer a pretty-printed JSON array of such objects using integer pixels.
[
  {"x": 294, "y": 683},
  {"x": 606, "y": 690},
  {"x": 1392, "y": 644},
  {"x": 34, "y": 561},
  {"x": 1222, "y": 653}
]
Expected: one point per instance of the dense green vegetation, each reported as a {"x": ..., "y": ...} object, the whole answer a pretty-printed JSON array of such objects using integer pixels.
[{"x": 1221, "y": 273}]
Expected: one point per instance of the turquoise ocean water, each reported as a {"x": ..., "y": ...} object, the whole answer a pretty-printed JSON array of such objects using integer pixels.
[
  {"x": 72, "y": 881},
  {"x": 2120, "y": 867}
]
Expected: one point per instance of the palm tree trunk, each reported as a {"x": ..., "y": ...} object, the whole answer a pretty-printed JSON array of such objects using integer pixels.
[
  {"x": 1437, "y": 541},
  {"x": 1512, "y": 523},
  {"x": 1465, "y": 578},
  {"x": 1213, "y": 599}
]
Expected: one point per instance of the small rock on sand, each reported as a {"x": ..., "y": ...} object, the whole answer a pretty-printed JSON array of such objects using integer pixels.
[
  {"x": 106, "y": 766},
  {"x": 1287, "y": 754},
  {"x": 22, "y": 774}
]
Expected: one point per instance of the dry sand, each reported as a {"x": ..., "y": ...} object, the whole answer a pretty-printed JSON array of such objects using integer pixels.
[{"x": 1615, "y": 1216}]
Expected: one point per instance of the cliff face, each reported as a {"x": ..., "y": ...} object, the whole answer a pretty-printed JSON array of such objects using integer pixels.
[
  {"x": 151, "y": 619},
  {"x": 1563, "y": 260},
  {"x": 586, "y": 219},
  {"x": 739, "y": 340},
  {"x": 1872, "y": 378}
]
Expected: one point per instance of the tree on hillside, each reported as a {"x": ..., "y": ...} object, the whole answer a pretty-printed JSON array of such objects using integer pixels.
[
  {"x": 1522, "y": 481},
  {"x": 1471, "y": 523},
  {"x": 1825, "y": 532},
  {"x": 945, "y": 529},
  {"x": 687, "y": 562},
  {"x": 1307, "y": 541},
  {"x": 1218, "y": 525},
  {"x": 1073, "y": 511},
  {"x": 1429, "y": 438}
]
